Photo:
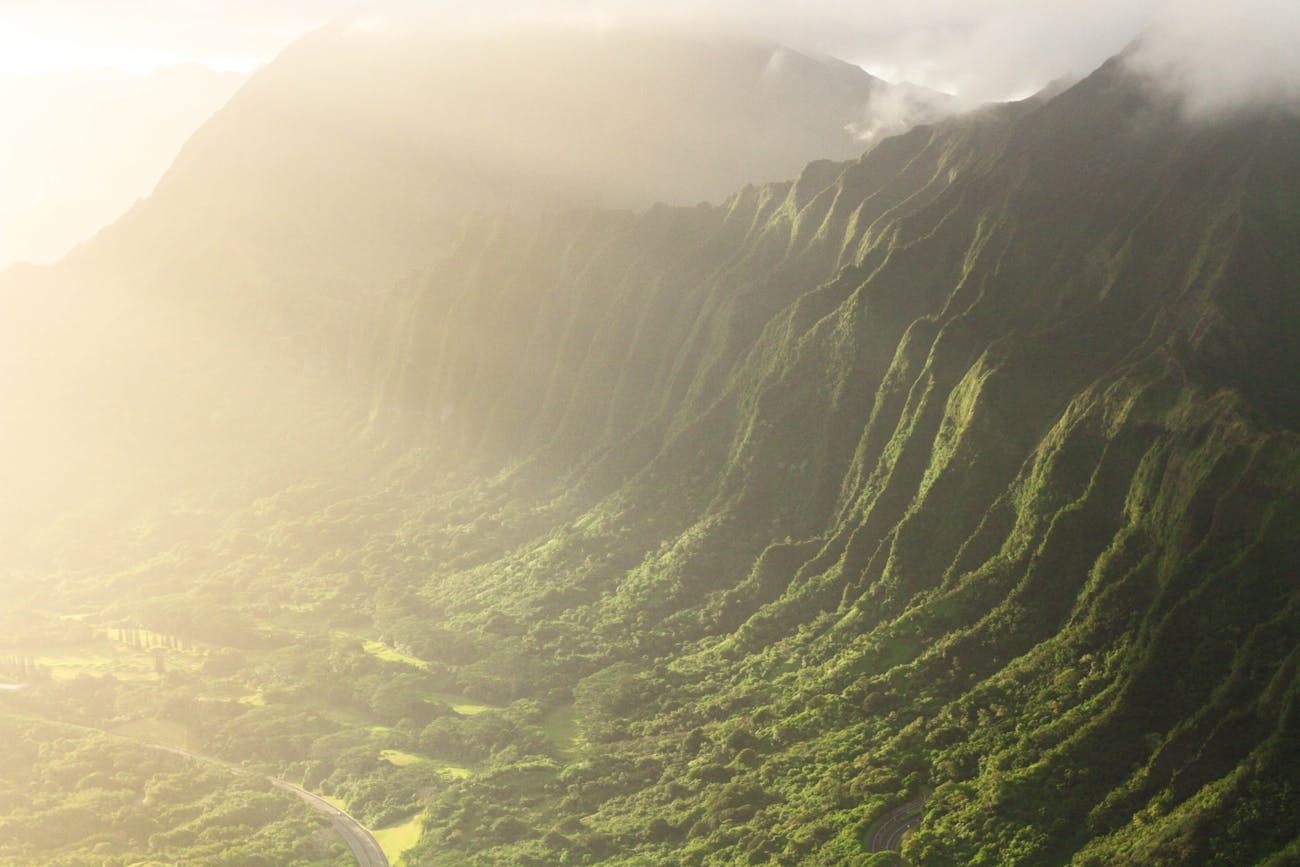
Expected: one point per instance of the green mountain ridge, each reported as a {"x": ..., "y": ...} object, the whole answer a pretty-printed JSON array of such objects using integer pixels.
[
  {"x": 962, "y": 475},
  {"x": 968, "y": 468}
]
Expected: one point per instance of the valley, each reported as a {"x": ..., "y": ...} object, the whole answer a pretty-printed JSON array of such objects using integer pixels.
[{"x": 936, "y": 505}]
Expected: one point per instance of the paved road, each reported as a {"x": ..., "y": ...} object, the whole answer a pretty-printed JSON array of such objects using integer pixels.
[
  {"x": 365, "y": 848},
  {"x": 895, "y": 841},
  {"x": 895, "y": 826}
]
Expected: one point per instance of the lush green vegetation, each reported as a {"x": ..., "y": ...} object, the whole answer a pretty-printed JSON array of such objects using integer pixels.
[
  {"x": 75, "y": 797},
  {"x": 950, "y": 474},
  {"x": 399, "y": 839}
]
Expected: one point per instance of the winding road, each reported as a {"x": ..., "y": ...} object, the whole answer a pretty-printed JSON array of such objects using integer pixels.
[
  {"x": 365, "y": 848},
  {"x": 895, "y": 826}
]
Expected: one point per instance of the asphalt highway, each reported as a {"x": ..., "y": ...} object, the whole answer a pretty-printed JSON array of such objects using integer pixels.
[
  {"x": 365, "y": 848},
  {"x": 890, "y": 832},
  {"x": 363, "y": 845}
]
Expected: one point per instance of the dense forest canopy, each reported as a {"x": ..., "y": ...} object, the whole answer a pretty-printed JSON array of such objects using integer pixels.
[{"x": 939, "y": 503}]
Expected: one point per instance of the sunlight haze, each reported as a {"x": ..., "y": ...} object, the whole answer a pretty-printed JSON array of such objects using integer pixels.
[{"x": 520, "y": 433}]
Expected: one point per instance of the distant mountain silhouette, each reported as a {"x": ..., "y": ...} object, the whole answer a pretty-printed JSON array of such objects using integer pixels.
[
  {"x": 339, "y": 167},
  {"x": 82, "y": 147},
  {"x": 954, "y": 487}
]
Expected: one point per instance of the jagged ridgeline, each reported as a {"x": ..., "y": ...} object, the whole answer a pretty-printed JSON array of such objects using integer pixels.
[{"x": 965, "y": 472}]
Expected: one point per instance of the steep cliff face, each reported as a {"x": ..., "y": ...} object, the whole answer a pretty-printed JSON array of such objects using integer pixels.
[
  {"x": 962, "y": 475},
  {"x": 968, "y": 469}
]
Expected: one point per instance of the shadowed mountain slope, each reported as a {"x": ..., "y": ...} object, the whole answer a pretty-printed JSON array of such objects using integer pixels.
[
  {"x": 963, "y": 474},
  {"x": 967, "y": 469}
]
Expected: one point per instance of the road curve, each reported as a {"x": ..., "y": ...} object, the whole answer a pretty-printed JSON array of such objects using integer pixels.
[
  {"x": 895, "y": 841},
  {"x": 891, "y": 830},
  {"x": 365, "y": 848}
]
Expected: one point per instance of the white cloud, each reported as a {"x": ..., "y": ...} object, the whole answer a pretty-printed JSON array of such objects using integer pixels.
[
  {"x": 894, "y": 110},
  {"x": 982, "y": 49},
  {"x": 1215, "y": 54},
  {"x": 1221, "y": 57}
]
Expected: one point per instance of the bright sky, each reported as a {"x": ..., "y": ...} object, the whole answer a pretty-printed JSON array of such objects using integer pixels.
[
  {"x": 54, "y": 192},
  {"x": 984, "y": 49},
  {"x": 40, "y": 37},
  {"x": 936, "y": 42},
  {"x": 95, "y": 104}
]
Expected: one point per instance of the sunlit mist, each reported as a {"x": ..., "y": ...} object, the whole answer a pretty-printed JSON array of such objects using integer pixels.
[{"x": 604, "y": 432}]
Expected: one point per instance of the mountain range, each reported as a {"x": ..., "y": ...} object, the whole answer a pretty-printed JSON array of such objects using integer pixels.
[
  {"x": 57, "y": 189},
  {"x": 338, "y": 169},
  {"x": 952, "y": 487}
]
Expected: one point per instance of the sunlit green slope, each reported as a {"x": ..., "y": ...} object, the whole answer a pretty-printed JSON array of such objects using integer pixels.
[
  {"x": 955, "y": 487},
  {"x": 967, "y": 471}
]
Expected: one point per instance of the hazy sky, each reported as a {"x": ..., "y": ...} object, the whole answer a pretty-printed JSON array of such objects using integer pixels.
[
  {"x": 1217, "y": 54},
  {"x": 988, "y": 48},
  {"x": 77, "y": 148},
  {"x": 985, "y": 49}
]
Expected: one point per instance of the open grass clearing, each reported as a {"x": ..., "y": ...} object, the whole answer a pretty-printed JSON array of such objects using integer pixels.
[
  {"x": 454, "y": 772},
  {"x": 399, "y": 759},
  {"x": 382, "y": 651},
  {"x": 462, "y": 705},
  {"x": 399, "y": 839}
]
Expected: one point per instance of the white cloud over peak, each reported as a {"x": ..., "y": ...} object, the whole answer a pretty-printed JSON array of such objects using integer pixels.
[
  {"x": 1219, "y": 57},
  {"x": 1216, "y": 54}
]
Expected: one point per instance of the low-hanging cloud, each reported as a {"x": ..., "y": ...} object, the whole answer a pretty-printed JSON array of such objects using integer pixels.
[
  {"x": 893, "y": 110},
  {"x": 1216, "y": 55},
  {"x": 1213, "y": 55},
  {"x": 1219, "y": 58}
]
